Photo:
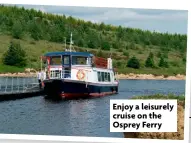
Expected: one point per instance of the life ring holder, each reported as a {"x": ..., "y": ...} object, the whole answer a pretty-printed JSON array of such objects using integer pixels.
[{"x": 80, "y": 74}]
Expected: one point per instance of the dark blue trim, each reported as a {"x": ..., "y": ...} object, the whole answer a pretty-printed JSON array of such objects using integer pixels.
[
  {"x": 85, "y": 54},
  {"x": 56, "y": 87}
]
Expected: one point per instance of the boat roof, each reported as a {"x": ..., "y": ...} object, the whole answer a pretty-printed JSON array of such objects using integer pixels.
[{"x": 84, "y": 54}]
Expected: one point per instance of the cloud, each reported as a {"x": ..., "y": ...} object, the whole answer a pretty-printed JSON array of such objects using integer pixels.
[
  {"x": 163, "y": 20},
  {"x": 128, "y": 14},
  {"x": 42, "y": 9}
]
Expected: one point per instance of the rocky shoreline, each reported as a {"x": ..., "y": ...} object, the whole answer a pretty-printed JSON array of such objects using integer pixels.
[
  {"x": 30, "y": 74},
  {"x": 119, "y": 76},
  {"x": 150, "y": 77}
]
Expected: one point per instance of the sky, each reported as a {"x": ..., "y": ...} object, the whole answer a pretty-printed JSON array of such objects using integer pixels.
[{"x": 171, "y": 21}]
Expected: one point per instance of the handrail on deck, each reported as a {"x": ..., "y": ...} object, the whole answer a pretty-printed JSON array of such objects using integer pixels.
[
  {"x": 19, "y": 85},
  {"x": 63, "y": 74},
  {"x": 59, "y": 74}
]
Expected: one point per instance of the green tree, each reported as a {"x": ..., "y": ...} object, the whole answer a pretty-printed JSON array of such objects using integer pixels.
[
  {"x": 163, "y": 63},
  {"x": 120, "y": 33},
  {"x": 80, "y": 43},
  {"x": 56, "y": 35},
  {"x": 15, "y": 56},
  {"x": 105, "y": 46},
  {"x": 35, "y": 30},
  {"x": 159, "y": 54},
  {"x": 102, "y": 26},
  {"x": 184, "y": 59},
  {"x": 43, "y": 22},
  {"x": 92, "y": 44},
  {"x": 133, "y": 63},
  {"x": 43, "y": 26},
  {"x": 150, "y": 61},
  {"x": 17, "y": 30}
]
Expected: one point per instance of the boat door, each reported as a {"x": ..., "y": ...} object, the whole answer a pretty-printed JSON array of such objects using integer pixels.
[{"x": 66, "y": 66}]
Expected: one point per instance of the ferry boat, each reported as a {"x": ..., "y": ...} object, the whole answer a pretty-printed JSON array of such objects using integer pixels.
[{"x": 71, "y": 74}]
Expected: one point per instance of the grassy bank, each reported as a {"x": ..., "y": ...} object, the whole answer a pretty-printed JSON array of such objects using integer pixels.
[
  {"x": 180, "y": 98},
  {"x": 10, "y": 69},
  {"x": 156, "y": 71},
  {"x": 179, "y": 135},
  {"x": 35, "y": 49}
]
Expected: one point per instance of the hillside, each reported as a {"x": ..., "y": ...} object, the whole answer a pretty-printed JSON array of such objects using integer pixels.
[{"x": 39, "y": 33}]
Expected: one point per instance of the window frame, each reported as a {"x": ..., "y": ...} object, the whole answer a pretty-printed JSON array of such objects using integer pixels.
[{"x": 51, "y": 59}]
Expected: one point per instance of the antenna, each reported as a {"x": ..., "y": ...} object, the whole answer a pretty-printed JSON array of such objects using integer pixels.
[{"x": 71, "y": 41}]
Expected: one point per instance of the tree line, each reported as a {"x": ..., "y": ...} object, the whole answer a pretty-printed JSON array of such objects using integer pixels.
[
  {"x": 45, "y": 26},
  {"x": 16, "y": 56},
  {"x": 133, "y": 62},
  {"x": 21, "y": 23}
]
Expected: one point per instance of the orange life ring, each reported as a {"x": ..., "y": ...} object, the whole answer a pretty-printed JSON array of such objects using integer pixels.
[{"x": 80, "y": 75}]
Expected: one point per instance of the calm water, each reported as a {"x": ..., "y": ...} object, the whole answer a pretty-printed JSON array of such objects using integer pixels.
[{"x": 88, "y": 117}]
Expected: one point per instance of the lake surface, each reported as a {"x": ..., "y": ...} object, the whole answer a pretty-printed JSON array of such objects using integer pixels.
[{"x": 87, "y": 117}]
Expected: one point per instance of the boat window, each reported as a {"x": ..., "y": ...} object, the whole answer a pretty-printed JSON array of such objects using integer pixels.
[
  {"x": 102, "y": 76},
  {"x": 66, "y": 60},
  {"x": 106, "y": 77},
  {"x": 55, "y": 60},
  {"x": 108, "y": 74},
  {"x": 99, "y": 76},
  {"x": 76, "y": 60},
  {"x": 89, "y": 61}
]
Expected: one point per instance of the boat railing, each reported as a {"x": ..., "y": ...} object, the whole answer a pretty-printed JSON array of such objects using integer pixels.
[
  {"x": 65, "y": 74},
  {"x": 100, "y": 62},
  {"x": 55, "y": 75},
  {"x": 59, "y": 74}
]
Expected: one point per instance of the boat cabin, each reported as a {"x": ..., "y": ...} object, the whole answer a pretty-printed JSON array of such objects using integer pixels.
[{"x": 78, "y": 66}]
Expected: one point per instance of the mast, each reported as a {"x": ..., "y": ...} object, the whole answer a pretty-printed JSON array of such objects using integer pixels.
[{"x": 71, "y": 42}]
